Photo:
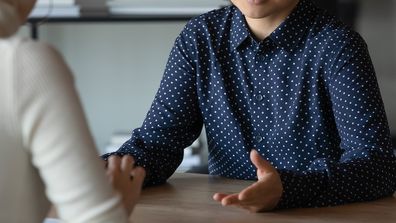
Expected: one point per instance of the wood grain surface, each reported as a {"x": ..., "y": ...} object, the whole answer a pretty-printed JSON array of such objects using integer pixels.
[{"x": 187, "y": 198}]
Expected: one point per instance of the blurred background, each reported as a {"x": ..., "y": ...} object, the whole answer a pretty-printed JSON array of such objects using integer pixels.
[{"x": 118, "y": 66}]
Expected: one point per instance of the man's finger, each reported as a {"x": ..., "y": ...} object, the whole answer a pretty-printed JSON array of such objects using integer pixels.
[
  {"x": 249, "y": 194},
  {"x": 230, "y": 200},
  {"x": 261, "y": 164},
  {"x": 219, "y": 196}
]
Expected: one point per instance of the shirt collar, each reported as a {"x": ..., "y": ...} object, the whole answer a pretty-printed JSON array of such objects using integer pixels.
[
  {"x": 239, "y": 28},
  {"x": 288, "y": 34}
]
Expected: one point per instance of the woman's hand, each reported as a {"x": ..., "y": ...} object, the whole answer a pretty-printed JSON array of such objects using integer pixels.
[{"x": 126, "y": 179}]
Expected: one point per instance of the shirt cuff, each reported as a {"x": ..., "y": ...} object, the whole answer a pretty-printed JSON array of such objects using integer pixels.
[{"x": 300, "y": 189}]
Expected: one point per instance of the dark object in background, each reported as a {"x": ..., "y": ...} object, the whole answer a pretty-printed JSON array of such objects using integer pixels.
[
  {"x": 203, "y": 169},
  {"x": 346, "y": 10}
]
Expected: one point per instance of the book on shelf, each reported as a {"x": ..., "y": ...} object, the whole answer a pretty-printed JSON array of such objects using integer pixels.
[
  {"x": 59, "y": 11},
  {"x": 55, "y": 8},
  {"x": 75, "y": 8},
  {"x": 93, "y": 7},
  {"x": 170, "y": 3},
  {"x": 164, "y": 7},
  {"x": 157, "y": 11},
  {"x": 55, "y": 3}
]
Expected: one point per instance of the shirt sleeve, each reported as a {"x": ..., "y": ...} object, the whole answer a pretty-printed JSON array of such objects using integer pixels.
[
  {"x": 174, "y": 120},
  {"x": 366, "y": 169},
  {"x": 55, "y": 133}
]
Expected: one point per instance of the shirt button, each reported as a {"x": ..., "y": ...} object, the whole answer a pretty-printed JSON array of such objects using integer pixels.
[
  {"x": 259, "y": 138},
  {"x": 260, "y": 58},
  {"x": 259, "y": 97}
]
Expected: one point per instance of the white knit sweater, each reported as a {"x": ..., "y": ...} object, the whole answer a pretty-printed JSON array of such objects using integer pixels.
[{"x": 46, "y": 150}]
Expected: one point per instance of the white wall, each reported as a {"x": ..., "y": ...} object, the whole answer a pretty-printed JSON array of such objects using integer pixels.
[{"x": 117, "y": 67}]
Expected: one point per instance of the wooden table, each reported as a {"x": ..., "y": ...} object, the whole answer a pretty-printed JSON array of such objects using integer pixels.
[{"x": 188, "y": 198}]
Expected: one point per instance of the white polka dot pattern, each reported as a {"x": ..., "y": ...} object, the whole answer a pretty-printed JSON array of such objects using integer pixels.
[{"x": 306, "y": 98}]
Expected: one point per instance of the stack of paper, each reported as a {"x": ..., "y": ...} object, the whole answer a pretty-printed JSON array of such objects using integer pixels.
[
  {"x": 116, "y": 141},
  {"x": 164, "y": 7},
  {"x": 52, "y": 220},
  {"x": 55, "y": 8}
]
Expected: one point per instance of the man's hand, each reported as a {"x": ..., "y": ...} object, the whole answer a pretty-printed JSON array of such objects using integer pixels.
[{"x": 262, "y": 195}]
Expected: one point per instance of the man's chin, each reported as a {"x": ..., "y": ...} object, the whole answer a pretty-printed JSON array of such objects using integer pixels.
[{"x": 255, "y": 15}]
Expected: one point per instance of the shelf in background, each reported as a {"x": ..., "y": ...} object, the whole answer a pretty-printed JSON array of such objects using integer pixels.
[
  {"x": 36, "y": 22},
  {"x": 113, "y": 18},
  {"x": 106, "y": 11}
]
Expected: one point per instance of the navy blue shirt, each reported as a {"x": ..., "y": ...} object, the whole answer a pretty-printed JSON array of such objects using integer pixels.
[{"x": 306, "y": 98}]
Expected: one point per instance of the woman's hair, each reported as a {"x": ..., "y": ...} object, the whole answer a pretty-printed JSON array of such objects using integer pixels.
[{"x": 9, "y": 18}]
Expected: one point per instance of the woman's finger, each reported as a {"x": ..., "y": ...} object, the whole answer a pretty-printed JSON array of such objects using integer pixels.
[
  {"x": 114, "y": 163},
  {"x": 127, "y": 163},
  {"x": 138, "y": 174}
]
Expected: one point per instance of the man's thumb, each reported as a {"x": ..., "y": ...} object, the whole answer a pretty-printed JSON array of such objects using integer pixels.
[{"x": 261, "y": 164}]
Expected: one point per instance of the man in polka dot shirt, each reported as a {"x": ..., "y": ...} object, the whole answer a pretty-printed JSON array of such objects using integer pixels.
[{"x": 289, "y": 99}]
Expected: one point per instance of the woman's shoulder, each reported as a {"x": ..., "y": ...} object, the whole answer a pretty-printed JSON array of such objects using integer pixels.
[
  {"x": 33, "y": 54},
  {"x": 27, "y": 47},
  {"x": 35, "y": 59}
]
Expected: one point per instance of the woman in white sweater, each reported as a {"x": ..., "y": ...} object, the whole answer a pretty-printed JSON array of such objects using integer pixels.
[{"x": 47, "y": 154}]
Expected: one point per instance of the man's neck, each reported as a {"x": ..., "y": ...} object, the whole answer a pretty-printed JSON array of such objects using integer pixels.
[{"x": 263, "y": 27}]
